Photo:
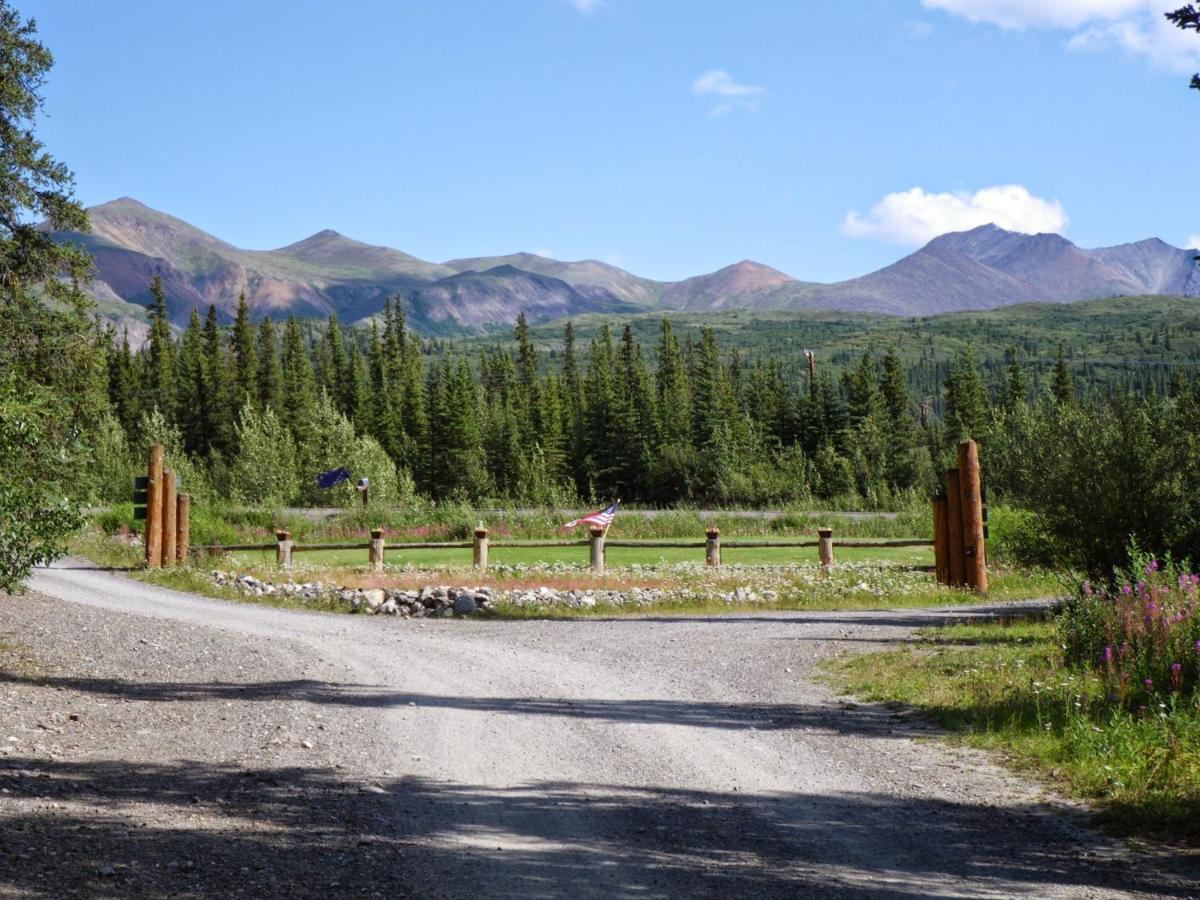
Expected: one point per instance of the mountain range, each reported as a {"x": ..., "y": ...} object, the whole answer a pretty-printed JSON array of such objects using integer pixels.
[{"x": 984, "y": 268}]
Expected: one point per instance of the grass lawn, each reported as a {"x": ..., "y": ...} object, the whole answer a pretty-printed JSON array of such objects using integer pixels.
[
  {"x": 616, "y": 557},
  {"x": 1003, "y": 686}
]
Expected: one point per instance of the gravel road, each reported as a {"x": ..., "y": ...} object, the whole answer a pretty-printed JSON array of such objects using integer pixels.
[{"x": 262, "y": 752}]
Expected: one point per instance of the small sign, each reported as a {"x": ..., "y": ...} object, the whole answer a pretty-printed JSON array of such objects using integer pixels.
[
  {"x": 141, "y": 483},
  {"x": 141, "y": 497},
  {"x": 139, "y": 512}
]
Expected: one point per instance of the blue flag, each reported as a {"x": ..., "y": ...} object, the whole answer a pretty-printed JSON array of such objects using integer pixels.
[{"x": 332, "y": 478}]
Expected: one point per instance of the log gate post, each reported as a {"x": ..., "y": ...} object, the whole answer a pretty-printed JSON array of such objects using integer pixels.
[
  {"x": 154, "y": 492},
  {"x": 480, "y": 550},
  {"x": 376, "y": 550},
  {"x": 974, "y": 550},
  {"x": 283, "y": 551},
  {"x": 183, "y": 528},
  {"x": 826, "y": 547},
  {"x": 598, "y": 551},
  {"x": 168, "y": 520},
  {"x": 712, "y": 548},
  {"x": 954, "y": 530}
]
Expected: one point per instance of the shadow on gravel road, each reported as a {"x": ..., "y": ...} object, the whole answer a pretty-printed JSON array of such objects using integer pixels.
[
  {"x": 894, "y": 618},
  {"x": 839, "y": 718},
  {"x": 110, "y": 828}
]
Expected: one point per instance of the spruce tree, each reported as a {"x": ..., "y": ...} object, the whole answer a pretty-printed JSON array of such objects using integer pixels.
[
  {"x": 599, "y": 388},
  {"x": 966, "y": 399},
  {"x": 1062, "y": 386},
  {"x": 270, "y": 377},
  {"x": 218, "y": 389},
  {"x": 191, "y": 398},
  {"x": 901, "y": 429},
  {"x": 123, "y": 383},
  {"x": 674, "y": 390},
  {"x": 158, "y": 377},
  {"x": 245, "y": 357},
  {"x": 1014, "y": 378},
  {"x": 298, "y": 390},
  {"x": 337, "y": 379}
]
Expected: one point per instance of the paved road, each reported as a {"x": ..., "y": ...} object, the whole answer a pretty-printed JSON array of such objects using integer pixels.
[{"x": 662, "y": 757}]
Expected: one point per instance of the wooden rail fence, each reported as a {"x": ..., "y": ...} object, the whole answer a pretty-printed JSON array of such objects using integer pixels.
[{"x": 597, "y": 544}]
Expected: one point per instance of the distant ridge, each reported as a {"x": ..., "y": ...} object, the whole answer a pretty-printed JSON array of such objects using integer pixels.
[{"x": 327, "y": 272}]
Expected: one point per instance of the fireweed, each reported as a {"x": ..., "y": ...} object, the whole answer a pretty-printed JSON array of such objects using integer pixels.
[{"x": 1141, "y": 636}]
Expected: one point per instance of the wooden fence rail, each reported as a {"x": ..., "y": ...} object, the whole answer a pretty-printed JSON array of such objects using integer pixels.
[{"x": 284, "y": 547}]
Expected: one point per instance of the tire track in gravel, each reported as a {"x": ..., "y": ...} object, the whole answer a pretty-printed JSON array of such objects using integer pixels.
[{"x": 665, "y": 757}]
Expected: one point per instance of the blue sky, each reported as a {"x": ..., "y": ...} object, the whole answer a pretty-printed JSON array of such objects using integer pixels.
[{"x": 670, "y": 137}]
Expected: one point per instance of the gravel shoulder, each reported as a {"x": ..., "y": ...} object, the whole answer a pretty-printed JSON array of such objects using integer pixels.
[{"x": 172, "y": 745}]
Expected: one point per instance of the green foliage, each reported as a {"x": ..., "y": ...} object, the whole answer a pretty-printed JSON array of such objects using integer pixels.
[
  {"x": 112, "y": 470},
  {"x": 265, "y": 471},
  {"x": 1099, "y": 477},
  {"x": 40, "y": 453}
]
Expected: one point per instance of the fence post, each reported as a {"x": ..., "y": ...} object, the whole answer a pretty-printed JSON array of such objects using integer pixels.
[
  {"x": 954, "y": 529},
  {"x": 376, "y": 552},
  {"x": 154, "y": 486},
  {"x": 183, "y": 527},
  {"x": 480, "y": 552},
  {"x": 712, "y": 548},
  {"x": 974, "y": 552},
  {"x": 283, "y": 552},
  {"x": 826, "y": 547},
  {"x": 598, "y": 551},
  {"x": 941, "y": 542},
  {"x": 168, "y": 519}
]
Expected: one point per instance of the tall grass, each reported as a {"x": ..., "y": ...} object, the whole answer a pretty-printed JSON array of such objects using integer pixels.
[{"x": 214, "y": 524}]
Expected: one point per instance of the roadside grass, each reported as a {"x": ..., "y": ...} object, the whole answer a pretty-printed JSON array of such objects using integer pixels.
[
  {"x": 691, "y": 587},
  {"x": 1003, "y": 686}
]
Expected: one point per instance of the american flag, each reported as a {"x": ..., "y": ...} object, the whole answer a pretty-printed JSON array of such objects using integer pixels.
[{"x": 603, "y": 518}]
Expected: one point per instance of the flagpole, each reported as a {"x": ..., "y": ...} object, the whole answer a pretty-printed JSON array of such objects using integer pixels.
[{"x": 613, "y": 519}]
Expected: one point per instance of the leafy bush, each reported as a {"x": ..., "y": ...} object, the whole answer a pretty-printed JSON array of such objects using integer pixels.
[
  {"x": 39, "y": 456},
  {"x": 1097, "y": 478}
]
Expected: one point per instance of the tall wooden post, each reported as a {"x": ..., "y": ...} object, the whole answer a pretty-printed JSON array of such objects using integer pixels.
[
  {"x": 480, "y": 550},
  {"x": 970, "y": 486},
  {"x": 825, "y": 542},
  {"x": 376, "y": 551},
  {"x": 598, "y": 551},
  {"x": 954, "y": 529},
  {"x": 283, "y": 550},
  {"x": 183, "y": 528},
  {"x": 712, "y": 547},
  {"x": 168, "y": 519},
  {"x": 154, "y": 490},
  {"x": 941, "y": 540}
]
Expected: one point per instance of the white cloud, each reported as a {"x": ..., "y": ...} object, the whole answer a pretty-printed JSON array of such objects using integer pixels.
[
  {"x": 1037, "y": 13},
  {"x": 1135, "y": 26},
  {"x": 721, "y": 83},
  {"x": 915, "y": 216},
  {"x": 731, "y": 93},
  {"x": 588, "y": 6},
  {"x": 1152, "y": 37}
]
